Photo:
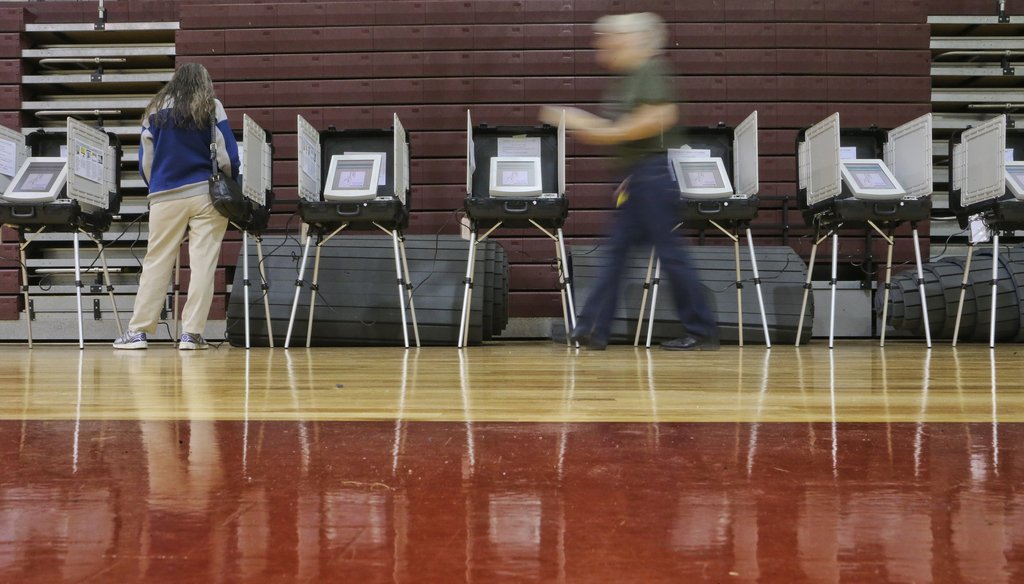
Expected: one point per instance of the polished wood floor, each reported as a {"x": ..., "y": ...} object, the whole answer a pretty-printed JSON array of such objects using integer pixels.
[
  {"x": 519, "y": 382},
  {"x": 512, "y": 462}
]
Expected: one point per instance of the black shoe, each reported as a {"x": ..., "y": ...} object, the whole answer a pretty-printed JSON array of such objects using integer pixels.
[
  {"x": 581, "y": 335},
  {"x": 691, "y": 343},
  {"x": 584, "y": 336}
]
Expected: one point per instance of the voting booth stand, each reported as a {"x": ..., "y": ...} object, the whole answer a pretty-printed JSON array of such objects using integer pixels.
[
  {"x": 717, "y": 173},
  {"x": 864, "y": 177},
  {"x": 986, "y": 194},
  {"x": 356, "y": 179},
  {"x": 62, "y": 182},
  {"x": 515, "y": 178},
  {"x": 256, "y": 152}
]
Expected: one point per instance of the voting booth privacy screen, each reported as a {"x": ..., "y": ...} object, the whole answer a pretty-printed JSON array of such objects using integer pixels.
[
  {"x": 13, "y": 153},
  {"x": 717, "y": 162},
  {"x": 515, "y": 174},
  {"x": 359, "y": 177},
  {"x": 352, "y": 164},
  {"x": 256, "y": 158},
  {"x": 978, "y": 166},
  {"x": 716, "y": 171},
  {"x": 867, "y": 164},
  {"x": 92, "y": 166},
  {"x": 908, "y": 156},
  {"x": 516, "y": 147},
  {"x": 64, "y": 179},
  {"x": 818, "y": 161}
]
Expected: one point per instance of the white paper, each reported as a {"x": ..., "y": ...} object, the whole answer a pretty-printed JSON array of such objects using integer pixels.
[
  {"x": 1008, "y": 155},
  {"x": 519, "y": 146},
  {"x": 308, "y": 153},
  {"x": 64, "y": 151},
  {"x": 681, "y": 153},
  {"x": 88, "y": 163},
  {"x": 848, "y": 153},
  {"x": 8, "y": 158},
  {"x": 979, "y": 231},
  {"x": 382, "y": 180},
  {"x": 241, "y": 161}
]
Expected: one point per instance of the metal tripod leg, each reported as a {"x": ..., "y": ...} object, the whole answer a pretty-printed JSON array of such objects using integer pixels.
[
  {"x": 567, "y": 278},
  {"x": 565, "y": 287},
  {"x": 399, "y": 276},
  {"x": 245, "y": 284},
  {"x": 404, "y": 283},
  {"x": 832, "y": 283},
  {"x": 757, "y": 285},
  {"x": 265, "y": 287},
  {"x": 409, "y": 287},
  {"x": 807, "y": 284},
  {"x": 739, "y": 276},
  {"x": 920, "y": 288},
  {"x": 654, "y": 301},
  {"x": 314, "y": 287},
  {"x": 963, "y": 291},
  {"x": 739, "y": 282},
  {"x": 888, "y": 237},
  {"x": 78, "y": 289},
  {"x": 177, "y": 292},
  {"x": 643, "y": 299},
  {"x": 995, "y": 289},
  {"x": 106, "y": 282},
  {"x": 467, "y": 295},
  {"x": 22, "y": 245},
  {"x": 298, "y": 289}
]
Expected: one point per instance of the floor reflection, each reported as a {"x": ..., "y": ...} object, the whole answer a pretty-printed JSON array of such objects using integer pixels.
[{"x": 153, "y": 500}]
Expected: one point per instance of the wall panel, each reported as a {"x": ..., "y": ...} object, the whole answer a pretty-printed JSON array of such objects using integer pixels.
[{"x": 354, "y": 64}]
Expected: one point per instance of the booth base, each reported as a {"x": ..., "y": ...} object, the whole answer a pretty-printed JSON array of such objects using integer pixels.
[{"x": 357, "y": 301}]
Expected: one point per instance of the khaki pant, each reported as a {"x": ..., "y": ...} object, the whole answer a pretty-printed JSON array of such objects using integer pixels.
[{"x": 168, "y": 221}]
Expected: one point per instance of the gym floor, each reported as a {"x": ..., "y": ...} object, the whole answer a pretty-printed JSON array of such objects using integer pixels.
[{"x": 512, "y": 462}]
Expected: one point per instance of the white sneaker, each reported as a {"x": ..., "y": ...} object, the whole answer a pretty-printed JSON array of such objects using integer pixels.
[
  {"x": 192, "y": 342},
  {"x": 131, "y": 340}
]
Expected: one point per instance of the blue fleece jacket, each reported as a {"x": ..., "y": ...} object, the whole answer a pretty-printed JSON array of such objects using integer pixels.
[{"x": 175, "y": 162}]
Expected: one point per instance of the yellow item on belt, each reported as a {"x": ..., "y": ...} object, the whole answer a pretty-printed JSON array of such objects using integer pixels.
[{"x": 622, "y": 198}]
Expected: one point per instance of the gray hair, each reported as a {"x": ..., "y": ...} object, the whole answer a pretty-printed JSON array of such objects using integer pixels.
[{"x": 649, "y": 24}]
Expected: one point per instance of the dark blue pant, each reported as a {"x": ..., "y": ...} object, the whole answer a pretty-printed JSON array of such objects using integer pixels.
[{"x": 647, "y": 219}]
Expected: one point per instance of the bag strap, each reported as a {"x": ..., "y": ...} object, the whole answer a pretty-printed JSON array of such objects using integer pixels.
[{"x": 213, "y": 142}]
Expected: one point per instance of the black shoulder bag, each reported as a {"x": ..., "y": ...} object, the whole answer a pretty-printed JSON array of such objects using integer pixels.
[{"x": 225, "y": 194}]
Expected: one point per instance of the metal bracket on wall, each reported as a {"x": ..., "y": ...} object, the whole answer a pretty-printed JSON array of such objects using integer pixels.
[{"x": 101, "y": 18}]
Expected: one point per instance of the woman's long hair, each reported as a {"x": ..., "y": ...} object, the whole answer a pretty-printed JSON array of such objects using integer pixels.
[{"x": 188, "y": 95}]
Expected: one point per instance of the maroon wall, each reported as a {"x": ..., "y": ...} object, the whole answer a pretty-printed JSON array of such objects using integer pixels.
[{"x": 351, "y": 64}]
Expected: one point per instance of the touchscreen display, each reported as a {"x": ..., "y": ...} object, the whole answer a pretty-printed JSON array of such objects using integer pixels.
[
  {"x": 515, "y": 178},
  {"x": 351, "y": 179}
]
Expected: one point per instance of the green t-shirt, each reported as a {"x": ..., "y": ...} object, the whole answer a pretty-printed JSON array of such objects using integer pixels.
[{"x": 648, "y": 84}]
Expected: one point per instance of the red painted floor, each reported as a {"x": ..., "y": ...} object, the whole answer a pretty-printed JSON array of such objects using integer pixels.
[{"x": 138, "y": 501}]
